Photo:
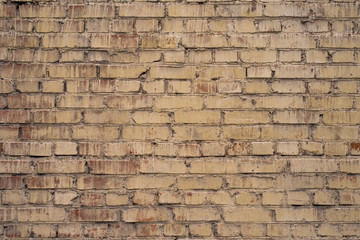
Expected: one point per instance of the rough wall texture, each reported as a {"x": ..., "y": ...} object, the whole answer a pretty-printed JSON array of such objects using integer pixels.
[{"x": 174, "y": 120}]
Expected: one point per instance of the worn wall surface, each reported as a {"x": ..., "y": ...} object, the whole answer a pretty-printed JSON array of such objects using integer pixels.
[{"x": 179, "y": 119}]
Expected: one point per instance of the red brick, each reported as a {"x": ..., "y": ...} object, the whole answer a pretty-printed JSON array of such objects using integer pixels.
[
  {"x": 113, "y": 167},
  {"x": 14, "y": 116},
  {"x": 92, "y": 199},
  {"x": 93, "y": 215},
  {"x": 31, "y": 101},
  {"x": 11, "y": 183}
]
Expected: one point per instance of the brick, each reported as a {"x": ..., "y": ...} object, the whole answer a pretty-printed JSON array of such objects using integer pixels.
[
  {"x": 262, "y": 166},
  {"x": 189, "y": 150},
  {"x": 113, "y": 199},
  {"x": 313, "y": 165},
  {"x": 93, "y": 215},
  {"x": 65, "y": 148},
  {"x": 11, "y": 183},
  {"x": 246, "y": 117},
  {"x": 19, "y": 230},
  {"x": 196, "y": 133},
  {"x": 244, "y": 26},
  {"x": 202, "y": 229},
  {"x": 9, "y": 132},
  {"x": 273, "y": 198},
  {"x": 27, "y": 86},
  {"x": 16, "y": 148},
  {"x": 262, "y": 148},
  {"x": 259, "y": 72},
  {"x": 91, "y": 11},
  {"x": 299, "y": 182},
  {"x": 44, "y": 182},
  {"x": 112, "y": 167},
  {"x": 256, "y": 86},
  {"x": 68, "y": 40},
  {"x": 316, "y": 56},
  {"x": 98, "y": 230},
  {"x": 92, "y": 199},
  {"x": 90, "y": 149},
  {"x": 292, "y": 41},
  {"x": 221, "y": 198},
  {"x": 246, "y": 10},
  {"x": 19, "y": 41},
  {"x": 284, "y": 132},
  {"x": 114, "y": 41},
  {"x": 199, "y": 183},
  {"x": 6, "y": 86},
  {"x": 199, "y": 56},
  {"x": 288, "y": 10},
  {"x": 47, "y": 26},
  {"x": 99, "y": 182},
  {"x": 45, "y": 132},
  {"x": 135, "y": 132},
  {"x": 221, "y": 72},
  {"x": 40, "y": 197},
  {"x": 312, "y": 148},
  {"x": 146, "y": 215},
  {"x": 77, "y": 86},
  {"x": 44, "y": 11},
  {"x": 342, "y": 215},
  {"x": 227, "y": 230},
  {"x": 31, "y": 101},
  {"x": 346, "y": 87},
  {"x": 230, "y": 87},
  {"x": 72, "y": 56},
  {"x": 287, "y": 148},
  {"x": 104, "y": 116},
  {"x": 246, "y": 198},
  {"x": 7, "y": 214},
  {"x": 160, "y": 41},
  {"x": 95, "y": 133},
  {"x": 303, "y": 230},
  {"x": 336, "y": 149},
  {"x": 259, "y": 56},
  {"x": 73, "y": 26},
  {"x": 146, "y": 25},
  {"x": 169, "y": 197},
  {"x": 319, "y": 87},
  {"x": 40, "y": 149},
  {"x": 162, "y": 166},
  {"x": 296, "y": 117},
  {"x": 53, "y": 86},
  {"x": 182, "y": 10},
  {"x": 144, "y": 198},
  {"x": 295, "y": 215},
  {"x": 121, "y": 229},
  {"x": 129, "y": 102},
  {"x": 324, "y": 198},
  {"x": 336, "y": 133},
  {"x": 41, "y": 214},
  {"x": 249, "y": 182},
  {"x": 317, "y": 103},
  {"x": 175, "y": 102},
  {"x": 196, "y": 198},
  {"x": 7, "y": 11},
  {"x": 65, "y": 198},
  {"x": 61, "y": 166},
  {"x": 141, "y": 10},
  {"x": 148, "y": 182},
  {"x": 174, "y": 230},
  {"x": 349, "y": 166},
  {"x": 44, "y": 230},
  {"x": 343, "y": 181},
  {"x": 213, "y": 149},
  {"x": 196, "y": 214},
  {"x": 72, "y": 71},
  {"x": 15, "y": 166},
  {"x": 179, "y": 87},
  {"x": 148, "y": 230},
  {"x": 298, "y": 198},
  {"x": 247, "y": 132},
  {"x": 231, "y": 214},
  {"x": 54, "y": 116},
  {"x": 290, "y": 56},
  {"x": 115, "y": 149},
  {"x": 213, "y": 167},
  {"x": 205, "y": 41}
]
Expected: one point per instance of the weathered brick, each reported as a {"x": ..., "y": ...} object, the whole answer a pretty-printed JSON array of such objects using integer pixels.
[
  {"x": 91, "y": 11},
  {"x": 182, "y": 10},
  {"x": 98, "y": 182},
  {"x": 114, "y": 41},
  {"x": 196, "y": 214},
  {"x": 93, "y": 215},
  {"x": 72, "y": 71},
  {"x": 232, "y": 214},
  {"x": 54, "y": 116},
  {"x": 146, "y": 215},
  {"x": 141, "y": 10},
  {"x": 42, "y": 11},
  {"x": 95, "y": 133},
  {"x": 112, "y": 167},
  {"x": 146, "y": 182},
  {"x": 45, "y": 132},
  {"x": 31, "y": 101},
  {"x": 245, "y": 10},
  {"x": 68, "y": 40},
  {"x": 199, "y": 183},
  {"x": 43, "y": 182},
  {"x": 61, "y": 166},
  {"x": 41, "y": 214}
]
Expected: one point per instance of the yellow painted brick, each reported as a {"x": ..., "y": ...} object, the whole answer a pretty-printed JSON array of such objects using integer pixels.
[
  {"x": 350, "y": 197},
  {"x": 221, "y": 198},
  {"x": 65, "y": 148},
  {"x": 350, "y": 166},
  {"x": 121, "y": 71},
  {"x": 174, "y": 230},
  {"x": 160, "y": 41},
  {"x": 288, "y": 86},
  {"x": 254, "y": 230},
  {"x": 169, "y": 197},
  {"x": 204, "y": 41},
  {"x": 44, "y": 11},
  {"x": 144, "y": 198},
  {"x": 342, "y": 214},
  {"x": 22, "y": 55},
  {"x": 342, "y": 26},
  {"x": 149, "y": 56}
]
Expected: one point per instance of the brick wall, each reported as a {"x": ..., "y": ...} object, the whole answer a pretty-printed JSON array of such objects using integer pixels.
[{"x": 179, "y": 119}]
